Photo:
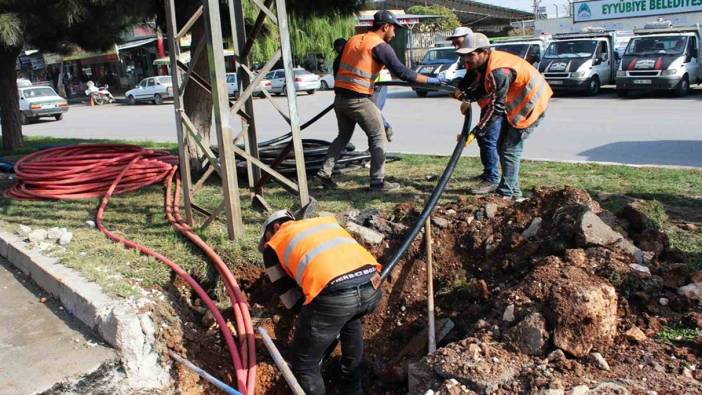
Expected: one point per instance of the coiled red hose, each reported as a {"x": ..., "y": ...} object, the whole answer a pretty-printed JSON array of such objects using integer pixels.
[{"x": 102, "y": 170}]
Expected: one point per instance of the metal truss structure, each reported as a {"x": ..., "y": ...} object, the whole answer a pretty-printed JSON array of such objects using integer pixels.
[{"x": 215, "y": 83}]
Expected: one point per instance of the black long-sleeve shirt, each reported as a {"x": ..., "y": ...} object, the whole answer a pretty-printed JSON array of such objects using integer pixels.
[
  {"x": 385, "y": 55},
  {"x": 498, "y": 82}
]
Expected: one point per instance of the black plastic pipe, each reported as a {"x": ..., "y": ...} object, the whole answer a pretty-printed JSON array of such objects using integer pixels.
[{"x": 433, "y": 199}]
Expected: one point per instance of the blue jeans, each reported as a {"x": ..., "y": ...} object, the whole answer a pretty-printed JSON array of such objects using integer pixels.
[
  {"x": 510, "y": 148},
  {"x": 488, "y": 149},
  {"x": 379, "y": 97},
  {"x": 319, "y": 323}
]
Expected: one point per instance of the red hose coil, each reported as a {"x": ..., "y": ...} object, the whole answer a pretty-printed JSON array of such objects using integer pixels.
[{"x": 102, "y": 170}]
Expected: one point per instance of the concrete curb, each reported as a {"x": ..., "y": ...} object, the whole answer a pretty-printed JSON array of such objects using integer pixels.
[{"x": 118, "y": 322}]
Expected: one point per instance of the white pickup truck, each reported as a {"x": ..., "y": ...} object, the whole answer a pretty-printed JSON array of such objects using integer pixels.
[{"x": 661, "y": 57}]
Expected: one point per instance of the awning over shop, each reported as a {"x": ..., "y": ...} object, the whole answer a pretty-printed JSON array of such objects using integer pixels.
[
  {"x": 185, "y": 58},
  {"x": 135, "y": 43}
]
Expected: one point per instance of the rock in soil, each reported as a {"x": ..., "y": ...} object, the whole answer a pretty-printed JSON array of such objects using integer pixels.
[
  {"x": 24, "y": 231},
  {"x": 600, "y": 361},
  {"x": 530, "y": 336},
  {"x": 692, "y": 291},
  {"x": 635, "y": 334},
  {"x": 65, "y": 238},
  {"x": 37, "y": 236},
  {"x": 366, "y": 235},
  {"x": 579, "y": 390}
]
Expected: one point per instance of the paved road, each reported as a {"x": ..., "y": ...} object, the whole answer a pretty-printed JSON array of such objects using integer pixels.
[
  {"x": 40, "y": 344},
  {"x": 655, "y": 129}
]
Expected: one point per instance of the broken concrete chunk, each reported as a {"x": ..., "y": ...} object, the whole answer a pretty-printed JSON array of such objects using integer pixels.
[
  {"x": 692, "y": 291},
  {"x": 451, "y": 212},
  {"x": 55, "y": 233},
  {"x": 490, "y": 210},
  {"x": 599, "y": 360},
  {"x": 508, "y": 315},
  {"x": 367, "y": 235},
  {"x": 579, "y": 390},
  {"x": 66, "y": 238},
  {"x": 24, "y": 231},
  {"x": 594, "y": 231},
  {"x": 636, "y": 334},
  {"x": 37, "y": 236},
  {"x": 532, "y": 229},
  {"x": 640, "y": 268},
  {"x": 442, "y": 223}
]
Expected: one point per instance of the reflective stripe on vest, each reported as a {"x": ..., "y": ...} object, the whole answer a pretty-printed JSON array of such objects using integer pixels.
[
  {"x": 528, "y": 95},
  {"x": 357, "y": 68},
  {"x": 316, "y": 251}
]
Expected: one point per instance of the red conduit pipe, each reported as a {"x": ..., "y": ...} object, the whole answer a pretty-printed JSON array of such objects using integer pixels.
[{"x": 101, "y": 170}]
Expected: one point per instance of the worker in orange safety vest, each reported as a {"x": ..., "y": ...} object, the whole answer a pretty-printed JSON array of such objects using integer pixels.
[
  {"x": 514, "y": 101},
  {"x": 338, "y": 279}
]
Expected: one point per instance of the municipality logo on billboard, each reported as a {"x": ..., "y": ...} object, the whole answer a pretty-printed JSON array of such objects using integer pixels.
[{"x": 584, "y": 11}]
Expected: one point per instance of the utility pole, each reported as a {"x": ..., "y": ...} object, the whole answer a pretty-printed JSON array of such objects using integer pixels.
[{"x": 556, "y": 7}]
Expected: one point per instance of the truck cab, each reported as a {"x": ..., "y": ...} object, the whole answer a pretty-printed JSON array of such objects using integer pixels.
[
  {"x": 581, "y": 61},
  {"x": 661, "y": 57},
  {"x": 435, "y": 61}
]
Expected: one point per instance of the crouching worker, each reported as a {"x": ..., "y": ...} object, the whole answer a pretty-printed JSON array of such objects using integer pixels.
[{"x": 338, "y": 279}]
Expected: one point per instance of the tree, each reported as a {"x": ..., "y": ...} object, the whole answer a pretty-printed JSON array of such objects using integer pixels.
[
  {"x": 54, "y": 26},
  {"x": 448, "y": 22}
]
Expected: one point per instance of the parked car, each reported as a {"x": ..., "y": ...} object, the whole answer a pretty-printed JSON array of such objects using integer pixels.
[
  {"x": 326, "y": 82},
  {"x": 40, "y": 101},
  {"x": 434, "y": 62},
  {"x": 152, "y": 89},
  {"x": 304, "y": 81},
  {"x": 233, "y": 86}
]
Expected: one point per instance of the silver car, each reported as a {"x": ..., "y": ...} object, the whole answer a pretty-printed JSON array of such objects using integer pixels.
[
  {"x": 152, "y": 89},
  {"x": 304, "y": 81}
]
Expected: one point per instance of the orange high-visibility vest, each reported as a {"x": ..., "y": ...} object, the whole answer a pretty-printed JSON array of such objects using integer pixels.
[
  {"x": 357, "y": 68},
  {"x": 528, "y": 95},
  {"x": 316, "y": 251}
]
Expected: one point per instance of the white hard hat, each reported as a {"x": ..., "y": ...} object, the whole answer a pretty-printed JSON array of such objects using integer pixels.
[
  {"x": 459, "y": 32},
  {"x": 280, "y": 214}
]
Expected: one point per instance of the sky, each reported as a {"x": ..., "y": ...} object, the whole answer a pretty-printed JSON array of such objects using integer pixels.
[{"x": 527, "y": 5}]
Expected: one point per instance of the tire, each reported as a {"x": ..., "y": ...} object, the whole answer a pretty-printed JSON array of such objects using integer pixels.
[
  {"x": 58, "y": 117},
  {"x": 131, "y": 100},
  {"x": 158, "y": 99},
  {"x": 23, "y": 119},
  {"x": 325, "y": 86},
  {"x": 421, "y": 93},
  {"x": 683, "y": 87},
  {"x": 311, "y": 92},
  {"x": 593, "y": 86},
  {"x": 284, "y": 91}
]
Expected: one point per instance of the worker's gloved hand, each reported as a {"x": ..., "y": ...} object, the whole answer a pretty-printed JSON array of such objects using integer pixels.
[
  {"x": 441, "y": 79},
  {"x": 457, "y": 94},
  {"x": 389, "y": 133}
]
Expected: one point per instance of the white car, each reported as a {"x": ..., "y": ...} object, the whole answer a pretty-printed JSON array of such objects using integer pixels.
[
  {"x": 152, "y": 89},
  {"x": 327, "y": 82},
  {"x": 40, "y": 101},
  {"x": 304, "y": 81},
  {"x": 233, "y": 86}
]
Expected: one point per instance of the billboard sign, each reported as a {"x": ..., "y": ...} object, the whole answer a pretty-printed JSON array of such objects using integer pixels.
[{"x": 597, "y": 10}]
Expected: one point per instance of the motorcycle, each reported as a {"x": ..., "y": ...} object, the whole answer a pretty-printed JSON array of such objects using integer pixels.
[{"x": 100, "y": 95}]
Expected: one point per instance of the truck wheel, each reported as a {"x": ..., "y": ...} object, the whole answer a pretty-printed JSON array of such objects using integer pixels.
[
  {"x": 421, "y": 93},
  {"x": 325, "y": 86},
  {"x": 593, "y": 86},
  {"x": 58, "y": 117},
  {"x": 23, "y": 119},
  {"x": 683, "y": 87}
]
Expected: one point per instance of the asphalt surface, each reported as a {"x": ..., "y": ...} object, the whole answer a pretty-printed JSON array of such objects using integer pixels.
[
  {"x": 40, "y": 343},
  {"x": 656, "y": 129}
]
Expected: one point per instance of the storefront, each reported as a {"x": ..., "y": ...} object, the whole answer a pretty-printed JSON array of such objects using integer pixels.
[{"x": 623, "y": 15}]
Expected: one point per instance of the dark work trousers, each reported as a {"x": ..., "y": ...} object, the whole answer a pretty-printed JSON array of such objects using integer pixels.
[
  {"x": 319, "y": 323},
  {"x": 364, "y": 112}
]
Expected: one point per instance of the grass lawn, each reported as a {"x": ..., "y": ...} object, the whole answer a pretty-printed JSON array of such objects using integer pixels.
[{"x": 139, "y": 215}]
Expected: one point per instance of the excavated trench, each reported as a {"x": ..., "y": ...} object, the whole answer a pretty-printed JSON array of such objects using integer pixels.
[{"x": 532, "y": 289}]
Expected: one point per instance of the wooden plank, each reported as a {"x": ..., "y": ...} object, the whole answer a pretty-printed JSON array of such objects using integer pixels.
[
  {"x": 189, "y": 24},
  {"x": 266, "y": 168}
]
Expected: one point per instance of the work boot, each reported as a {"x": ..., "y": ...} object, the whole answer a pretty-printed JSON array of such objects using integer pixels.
[
  {"x": 326, "y": 181},
  {"x": 479, "y": 177},
  {"x": 384, "y": 186},
  {"x": 389, "y": 133},
  {"x": 484, "y": 188}
]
